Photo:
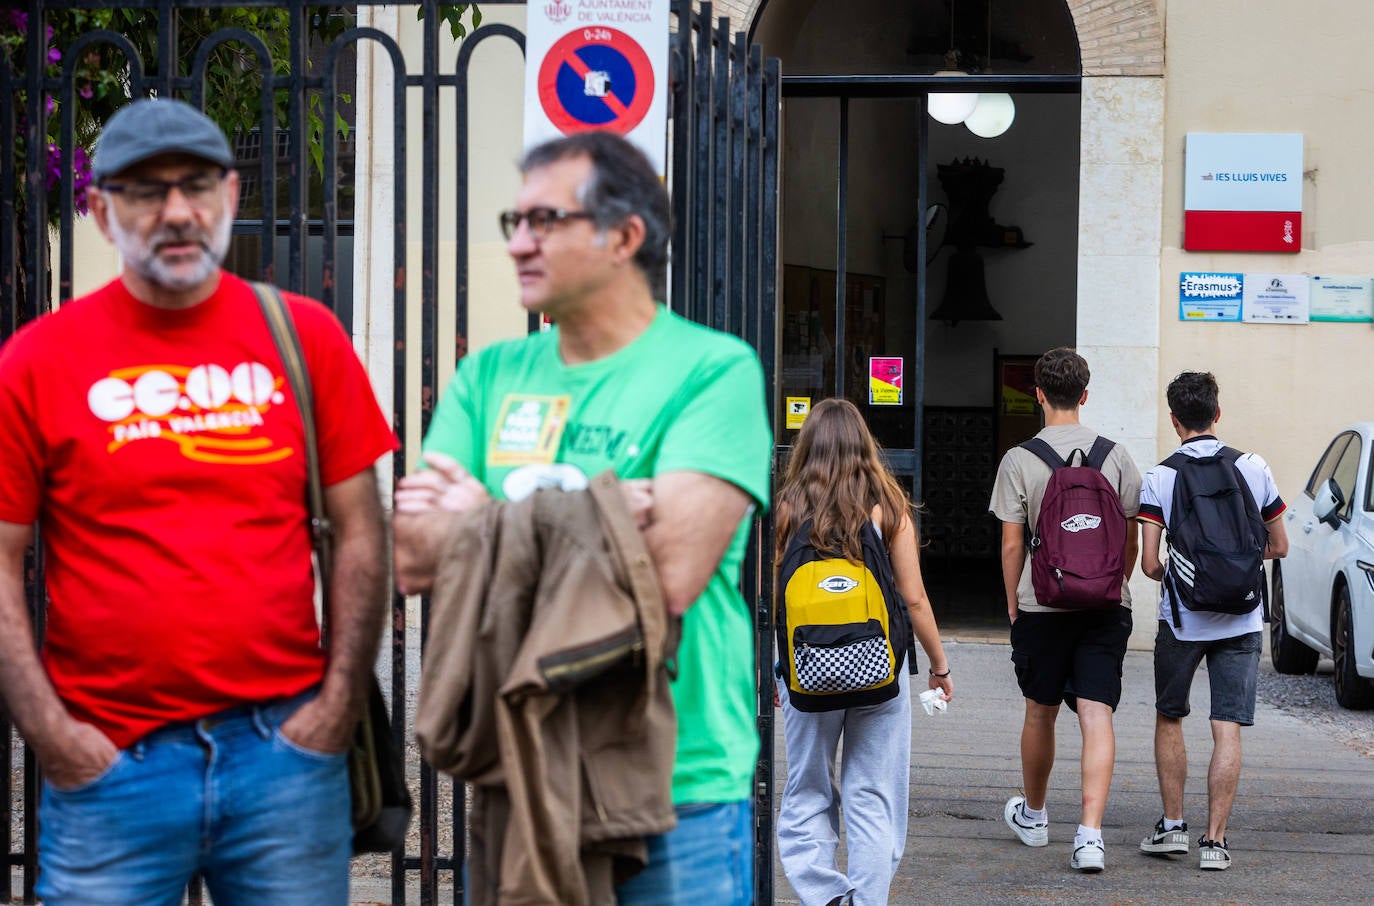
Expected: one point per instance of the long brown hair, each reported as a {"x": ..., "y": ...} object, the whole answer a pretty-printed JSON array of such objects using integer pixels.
[{"x": 834, "y": 478}]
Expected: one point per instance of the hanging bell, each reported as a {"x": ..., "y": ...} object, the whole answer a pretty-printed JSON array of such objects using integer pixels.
[{"x": 966, "y": 290}]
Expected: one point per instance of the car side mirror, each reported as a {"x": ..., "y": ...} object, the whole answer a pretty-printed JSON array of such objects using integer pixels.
[{"x": 1329, "y": 503}]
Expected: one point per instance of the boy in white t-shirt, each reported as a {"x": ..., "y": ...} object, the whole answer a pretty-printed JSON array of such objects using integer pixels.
[{"x": 1230, "y": 642}]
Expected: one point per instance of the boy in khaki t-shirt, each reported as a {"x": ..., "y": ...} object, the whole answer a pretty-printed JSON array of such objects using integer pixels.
[{"x": 1068, "y": 656}]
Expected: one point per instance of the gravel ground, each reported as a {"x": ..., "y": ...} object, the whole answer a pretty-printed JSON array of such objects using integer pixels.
[{"x": 1313, "y": 699}]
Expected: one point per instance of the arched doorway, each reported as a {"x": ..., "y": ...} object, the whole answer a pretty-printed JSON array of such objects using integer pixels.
[{"x": 938, "y": 255}]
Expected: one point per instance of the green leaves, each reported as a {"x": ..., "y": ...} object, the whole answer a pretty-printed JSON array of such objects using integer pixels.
[
  {"x": 452, "y": 13},
  {"x": 233, "y": 72}
]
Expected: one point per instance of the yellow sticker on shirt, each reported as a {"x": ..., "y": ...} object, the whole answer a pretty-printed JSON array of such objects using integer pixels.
[{"x": 529, "y": 429}]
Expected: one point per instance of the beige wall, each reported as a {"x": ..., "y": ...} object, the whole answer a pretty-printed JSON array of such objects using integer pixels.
[
  {"x": 1273, "y": 66},
  {"x": 493, "y": 141},
  {"x": 95, "y": 261}
]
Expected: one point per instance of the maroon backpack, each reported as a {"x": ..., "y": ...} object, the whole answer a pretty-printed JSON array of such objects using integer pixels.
[{"x": 1078, "y": 551}]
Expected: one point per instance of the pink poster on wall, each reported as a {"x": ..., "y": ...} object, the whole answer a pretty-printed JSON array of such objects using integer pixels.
[{"x": 885, "y": 381}]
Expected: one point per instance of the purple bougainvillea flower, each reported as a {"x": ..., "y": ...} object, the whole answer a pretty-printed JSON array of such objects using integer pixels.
[
  {"x": 86, "y": 91},
  {"x": 54, "y": 166},
  {"x": 81, "y": 174}
]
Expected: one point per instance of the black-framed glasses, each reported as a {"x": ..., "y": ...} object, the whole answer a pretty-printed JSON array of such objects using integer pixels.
[
  {"x": 540, "y": 220},
  {"x": 151, "y": 194}
]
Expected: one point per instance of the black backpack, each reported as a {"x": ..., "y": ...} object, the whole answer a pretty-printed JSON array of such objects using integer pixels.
[
  {"x": 843, "y": 628},
  {"x": 1216, "y": 536},
  {"x": 1078, "y": 549}
]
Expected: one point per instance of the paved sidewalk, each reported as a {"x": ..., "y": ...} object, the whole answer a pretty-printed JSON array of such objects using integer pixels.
[{"x": 1302, "y": 830}]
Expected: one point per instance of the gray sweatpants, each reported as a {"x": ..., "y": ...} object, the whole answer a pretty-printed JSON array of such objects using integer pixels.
[{"x": 875, "y": 775}]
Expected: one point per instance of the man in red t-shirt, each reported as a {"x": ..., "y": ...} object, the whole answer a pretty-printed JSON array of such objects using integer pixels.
[{"x": 183, "y": 712}]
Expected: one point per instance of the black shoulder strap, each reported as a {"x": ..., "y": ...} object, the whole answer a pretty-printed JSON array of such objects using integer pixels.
[
  {"x": 887, "y": 576},
  {"x": 800, "y": 538},
  {"x": 1101, "y": 449},
  {"x": 1172, "y": 585},
  {"x": 1176, "y": 459},
  {"x": 1045, "y": 452}
]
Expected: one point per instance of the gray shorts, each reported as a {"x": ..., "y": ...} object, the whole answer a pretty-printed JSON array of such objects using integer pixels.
[{"x": 1232, "y": 670}]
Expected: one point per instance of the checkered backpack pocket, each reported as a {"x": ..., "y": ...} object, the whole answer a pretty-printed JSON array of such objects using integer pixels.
[
  {"x": 843, "y": 629},
  {"x": 842, "y": 658}
]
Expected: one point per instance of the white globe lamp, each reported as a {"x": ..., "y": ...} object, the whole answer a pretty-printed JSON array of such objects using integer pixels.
[
  {"x": 991, "y": 116},
  {"x": 951, "y": 107}
]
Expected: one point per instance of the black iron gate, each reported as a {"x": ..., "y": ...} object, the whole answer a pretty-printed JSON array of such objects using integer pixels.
[{"x": 724, "y": 152}]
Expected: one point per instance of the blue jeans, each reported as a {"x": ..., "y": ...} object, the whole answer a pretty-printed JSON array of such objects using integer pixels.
[
  {"x": 262, "y": 820},
  {"x": 707, "y": 858}
]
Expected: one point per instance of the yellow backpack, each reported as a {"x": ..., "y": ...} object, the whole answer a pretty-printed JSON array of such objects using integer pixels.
[{"x": 843, "y": 628}]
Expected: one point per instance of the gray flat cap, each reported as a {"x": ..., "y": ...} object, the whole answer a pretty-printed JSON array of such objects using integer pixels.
[{"x": 147, "y": 128}]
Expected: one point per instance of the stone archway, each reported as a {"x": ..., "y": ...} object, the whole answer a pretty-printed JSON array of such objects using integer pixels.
[
  {"x": 1115, "y": 37},
  {"x": 1120, "y": 220},
  {"x": 1121, "y": 43},
  {"x": 1119, "y": 38}
]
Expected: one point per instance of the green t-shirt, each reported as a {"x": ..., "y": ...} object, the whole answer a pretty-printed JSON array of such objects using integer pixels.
[{"x": 680, "y": 397}]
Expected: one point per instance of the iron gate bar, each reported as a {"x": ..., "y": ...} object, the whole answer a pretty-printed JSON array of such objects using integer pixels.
[
  {"x": 919, "y": 359},
  {"x": 466, "y": 50},
  {"x": 702, "y": 150},
  {"x": 724, "y": 270},
  {"x": 841, "y": 245},
  {"x": 429, "y": 390},
  {"x": 34, "y": 138},
  {"x": 739, "y": 140},
  {"x": 342, "y": 308},
  {"x": 399, "y": 120},
  {"x": 297, "y": 149},
  {"x": 267, "y": 174},
  {"x": 720, "y": 159},
  {"x": 6, "y": 809},
  {"x": 753, "y": 164},
  {"x": 67, "y": 90},
  {"x": 8, "y": 239},
  {"x": 771, "y": 102},
  {"x": 680, "y": 95},
  {"x": 39, "y": 615},
  {"x": 36, "y": 275}
]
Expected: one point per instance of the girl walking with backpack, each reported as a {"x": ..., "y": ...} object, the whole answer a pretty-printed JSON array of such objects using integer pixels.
[{"x": 845, "y": 529}]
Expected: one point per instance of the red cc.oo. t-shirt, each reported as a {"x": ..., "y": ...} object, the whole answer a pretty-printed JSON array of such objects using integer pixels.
[{"x": 161, "y": 453}]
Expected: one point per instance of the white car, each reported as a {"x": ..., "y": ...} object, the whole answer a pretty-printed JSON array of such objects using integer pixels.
[{"x": 1322, "y": 598}]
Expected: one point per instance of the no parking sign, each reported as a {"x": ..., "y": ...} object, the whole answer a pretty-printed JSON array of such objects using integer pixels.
[{"x": 598, "y": 64}]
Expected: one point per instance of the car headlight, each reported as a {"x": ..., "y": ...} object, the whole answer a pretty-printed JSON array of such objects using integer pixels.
[{"x": 1368, "y": 572}]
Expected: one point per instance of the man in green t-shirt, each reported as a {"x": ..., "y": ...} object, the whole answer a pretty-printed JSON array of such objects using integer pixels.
[{"x": 678, "y": 411}]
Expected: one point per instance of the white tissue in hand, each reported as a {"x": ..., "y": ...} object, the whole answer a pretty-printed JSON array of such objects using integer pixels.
[{"x": 932, "y": 702}]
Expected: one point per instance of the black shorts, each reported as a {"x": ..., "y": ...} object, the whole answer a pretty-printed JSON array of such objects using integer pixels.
[{"x": 1062, "y": 657}]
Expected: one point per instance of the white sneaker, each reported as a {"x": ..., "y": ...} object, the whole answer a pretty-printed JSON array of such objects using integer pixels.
[
  {"x": 1032, "y": 833},
  {"x": 1090, "y": 857},
  {"x": 1166, "y": 842},
  {"x": 1213, "y": 855}
]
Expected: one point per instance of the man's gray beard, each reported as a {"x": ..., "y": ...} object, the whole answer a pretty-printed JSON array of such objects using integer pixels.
[{"x": 139, "y": 257}]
